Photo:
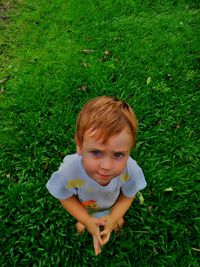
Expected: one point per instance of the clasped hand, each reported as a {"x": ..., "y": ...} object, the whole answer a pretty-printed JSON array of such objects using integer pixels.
[{"x": 100, "y": 238}]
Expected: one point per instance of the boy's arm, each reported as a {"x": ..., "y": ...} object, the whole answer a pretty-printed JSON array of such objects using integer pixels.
[
  {"x": 74, "y": 207},
  {"x": 121, "y": 206},
  {"x": 119, "y": 209},
  {"x": 79, "y": 212}
]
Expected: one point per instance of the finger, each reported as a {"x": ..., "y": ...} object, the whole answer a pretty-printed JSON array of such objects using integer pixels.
[
  {"x": 97, "y": 234},
  {"x": 97, "y": 250},
  {"x": 99, "y": 239},
  {"x": 106, "y": 237},
  {"x": 97, "y": 247}
]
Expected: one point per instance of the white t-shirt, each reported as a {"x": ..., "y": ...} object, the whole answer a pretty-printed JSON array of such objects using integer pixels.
[{"x": 71, "y": 179}]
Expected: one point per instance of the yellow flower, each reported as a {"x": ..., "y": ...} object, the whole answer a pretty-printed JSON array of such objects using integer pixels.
[
  {"x": 90, "y": 190},
  {"x": 77, "y": 183},
  {"x": 124, "y": 178}
]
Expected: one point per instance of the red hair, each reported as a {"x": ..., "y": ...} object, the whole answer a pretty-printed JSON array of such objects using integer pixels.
[{"x": 106, "y": 116}]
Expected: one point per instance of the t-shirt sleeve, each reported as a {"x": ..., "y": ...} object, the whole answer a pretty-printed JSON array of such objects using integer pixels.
[
  {"x": 63, "y": 183},
  {"x": 57, "y": 186},
  {"x": 135, "y": 180}
]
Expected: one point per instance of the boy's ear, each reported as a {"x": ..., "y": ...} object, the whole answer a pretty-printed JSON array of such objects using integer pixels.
[{"x": 78, "y": 147}]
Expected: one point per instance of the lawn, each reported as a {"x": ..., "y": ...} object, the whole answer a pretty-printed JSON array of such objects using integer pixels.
[{"x": 56, "y": 55}]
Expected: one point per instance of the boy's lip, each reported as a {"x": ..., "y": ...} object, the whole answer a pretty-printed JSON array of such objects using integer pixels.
[{"x": 103, "y": 176}]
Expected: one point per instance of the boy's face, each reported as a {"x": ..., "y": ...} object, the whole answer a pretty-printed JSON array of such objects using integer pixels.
[{"x": 103, "y": 162}]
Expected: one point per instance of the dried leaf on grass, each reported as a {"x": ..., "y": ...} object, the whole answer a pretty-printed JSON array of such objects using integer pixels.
[
  {"x": 148, "y": 80},
  {"x": 169, "y": 189},
  {"x": 87, "y": 51},
  {"x": 141, "y": 198},
  {"x": 83, "y": 88},
  {"x": 4, "y": 80},
  {"x": 1, "y": 91},
  {"x": 84, "y": 64},
  {"x": 106, "y": 52}
]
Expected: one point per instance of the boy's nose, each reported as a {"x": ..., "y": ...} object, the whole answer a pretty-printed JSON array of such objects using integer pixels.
[{"x": 106, "y": 163}]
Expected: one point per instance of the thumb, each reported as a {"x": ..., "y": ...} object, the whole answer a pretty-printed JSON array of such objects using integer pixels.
[{"x": 105, "y": 236}]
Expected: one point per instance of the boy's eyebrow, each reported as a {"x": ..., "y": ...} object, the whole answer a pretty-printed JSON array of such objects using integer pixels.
[
  {"x": 117, "y": 151},
  {"x": 95, "y": 149},
  {"x": 121, "y": 151}
]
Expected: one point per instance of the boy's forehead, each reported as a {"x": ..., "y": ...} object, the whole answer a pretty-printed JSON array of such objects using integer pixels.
[{"x": 122, "y": 138}]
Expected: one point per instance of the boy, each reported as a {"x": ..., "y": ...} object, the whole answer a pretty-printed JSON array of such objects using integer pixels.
[{"x": 98, "y": 184}]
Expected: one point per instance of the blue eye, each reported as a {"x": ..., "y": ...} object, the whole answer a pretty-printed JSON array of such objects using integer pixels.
[
  {"x": 96, "y": 153},
  {"x": 119, "y": 155}
]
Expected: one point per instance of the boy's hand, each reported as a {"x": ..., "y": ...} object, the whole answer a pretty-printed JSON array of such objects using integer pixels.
[
  {"x": 109, "y": 225},
  {"x": 100, "y": 238},
  {"x": 92, "y": 226},
  {"x": 106, "y": 236}
]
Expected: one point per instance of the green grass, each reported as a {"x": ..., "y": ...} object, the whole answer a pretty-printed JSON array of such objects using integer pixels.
[{"x": 53, "y": 60}]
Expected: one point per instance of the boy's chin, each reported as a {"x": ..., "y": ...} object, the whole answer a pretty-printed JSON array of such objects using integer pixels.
[{"x": 103, "y": 180}]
